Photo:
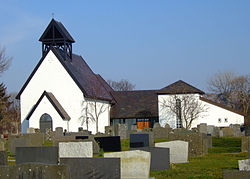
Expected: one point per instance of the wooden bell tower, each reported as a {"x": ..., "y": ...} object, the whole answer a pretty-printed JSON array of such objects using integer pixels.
[{"x": 56, "y": 35}]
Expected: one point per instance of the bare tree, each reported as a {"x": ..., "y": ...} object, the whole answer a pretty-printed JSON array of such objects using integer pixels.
[
  {"x": 232, "y": 88},
  {"x": 92, "y": 108},
  {"x": 186, "y": 108},
  {"x": 241, "y": 89},
  {"x": 122, "y": 85},
  {"x": 4, "y": 60}
]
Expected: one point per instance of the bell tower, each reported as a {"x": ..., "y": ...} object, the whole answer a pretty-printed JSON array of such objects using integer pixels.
[{"x": 56, "y": 35}]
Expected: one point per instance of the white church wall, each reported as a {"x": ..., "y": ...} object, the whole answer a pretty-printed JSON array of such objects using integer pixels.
[
  {"x": 211, "y": 116},
  {"x": 102, "y": 107},
  {"x": 215, "y": 113},
  {"x": 52, "y": 77},
  {"x": 46, "y": 107}
]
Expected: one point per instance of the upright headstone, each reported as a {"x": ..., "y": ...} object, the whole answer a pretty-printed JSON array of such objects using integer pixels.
[
  {"x": 236, "y": 130},
  {"x": 2, "y": 145},
  {"x": 3, "y": 158},
  {"x": 156, "y": 125},
  {"x": 245, "y": 143},
  {"x": 34, "y": 171},
  {"x": 227, "y": 132},
  {"x": 93, "y": 168},
  {"x": 247, "y": 130},
  {"x": 121, "y": 130},
  {"x": 161, "y": 133},
  {"x": 133, "y": 127},
  {"x": 109, "y": 130},
  {"x": 75, "y": 149},
  {"x": 134, "y": 164},
  {"x": 14, "y": 142},
  {"x": 210, "y": 130},
  {"x": 109, "y": 144},
  {"x": 160, "y": 158},
  {"x": 34, "y": 140},
  {"x": 31, "y": 130},
  {"x": 139, "y": 140},
  {"x": 244, "y": 165},
  {"x": 202, "y": 128},
  {"x": 178, "y": 150},
  {"x": 59, "y": 131},
  {"x": 44, "y": 155}
]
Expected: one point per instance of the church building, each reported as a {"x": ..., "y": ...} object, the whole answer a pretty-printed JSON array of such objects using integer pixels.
[{"x": 62, "y": 91}]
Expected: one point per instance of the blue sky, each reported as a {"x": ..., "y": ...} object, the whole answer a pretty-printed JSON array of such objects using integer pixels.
[{"x": 150, "y": 43}]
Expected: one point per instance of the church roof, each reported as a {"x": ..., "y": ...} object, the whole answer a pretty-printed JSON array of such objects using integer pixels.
[
  {"x": 180, "y": 87},
  {"x": 80, "y": 72},
  {"x": 56, "y": 30},
  {"x": 135, "y": 104},
  {"x": 64, "y": 115}
]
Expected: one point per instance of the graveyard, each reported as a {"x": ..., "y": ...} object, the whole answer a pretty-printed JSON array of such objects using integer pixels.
[{"x": 177, "y": 153}]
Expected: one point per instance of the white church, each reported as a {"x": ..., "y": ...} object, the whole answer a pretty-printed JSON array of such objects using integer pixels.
[{"x": 62, "y": 91}]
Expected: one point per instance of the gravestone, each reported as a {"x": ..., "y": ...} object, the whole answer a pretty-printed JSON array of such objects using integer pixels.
[
  {"x": 133, "y": 127},
  {"x": 93, "y": 168},
  {"x": 210, "y": 129},
  {"x": 209, "y": 141},
  {"x": 245, "y": 143},
  {"x": 216, "y": 132},
  {"x": 121, "y": 130},
  {"x": 247, "y": 130},
  {"x": 221, "y": 133},
  {"x": 227, "y": 132},
  {"x": 59, "y": 131},
  {"x": 202, "y": 128},
  {"x": 2, "y": 145},
  {"x": 249, "y": 153},
  {"x": 80, "y": 129},
  {"x": 156, "y": 125},
  {"x": 134, "y": 164},
  {"x": 160, "y": 158},
  {"x": 244, "y": 165},
  {"x": 17, "y": 142},
  {"x": 44, "y": 155},
  {"x": 96, "y": 148},
  {"x": 75, "y": 149},
  {"x": 235, "y": 174},
  {"x": 236, "y": 130},
  {"x": 139, "y": 140},
  {"x": 161, "y": 133},
  {"x": 109, "y": 144},
  {"x": 31, "y": 130},
  {"x": 178, "y": 150},
  {"x": 34, "y": 140},
  {"x": 197, "y": 142},
  {"x": 3, "y": 158},
  {"x": 109, "y": 130},
  {"x": 34, "y": 171}
]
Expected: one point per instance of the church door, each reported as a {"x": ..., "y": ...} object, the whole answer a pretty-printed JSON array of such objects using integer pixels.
[{"x": 45, "y": 122}]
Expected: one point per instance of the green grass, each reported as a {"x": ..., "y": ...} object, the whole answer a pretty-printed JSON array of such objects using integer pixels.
[
  {"x": 161, "y": 140},
  {"x": 224, "y": 155},
  {"x": 47, "y": 143},
  {"x": 125, "y": 144}
]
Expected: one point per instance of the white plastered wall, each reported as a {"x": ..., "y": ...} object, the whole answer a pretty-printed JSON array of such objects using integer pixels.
[
  {"x": 52, "y": 77},
  {"x": 211, "y": 116},
  {"x": 46, "y": 107}
]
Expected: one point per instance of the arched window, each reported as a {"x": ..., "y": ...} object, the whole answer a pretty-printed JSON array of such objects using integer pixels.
[{"x": 45, "y": 122}]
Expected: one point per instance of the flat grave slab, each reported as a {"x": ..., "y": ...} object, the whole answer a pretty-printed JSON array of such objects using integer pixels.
[
  {"x": 31, "y": 171},
  {"x": 93, "y": 168},
  {"x": 178, "y": 150},
  {"x": 109, "y": 144},
  {"x": 134, "y": 164},
  {"x": 44, "y": 155},
  {"x": 75, "y": 149}
]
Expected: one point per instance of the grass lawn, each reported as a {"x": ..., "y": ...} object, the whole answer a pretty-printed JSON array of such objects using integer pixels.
[{"x": 224, "y": 155}]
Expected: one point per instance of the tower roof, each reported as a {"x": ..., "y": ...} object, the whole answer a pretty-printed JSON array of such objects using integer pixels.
[{"x": 56, "y": 32}]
